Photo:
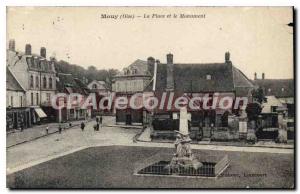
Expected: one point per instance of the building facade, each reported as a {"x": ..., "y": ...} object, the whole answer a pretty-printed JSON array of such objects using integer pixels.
[
  {"x": 37, "y": 76},
  {"x": 280, "y": 95},
  {"x": 198, "y": 79},
  {"x": 69, "y": 85},
  {"x": 101, "y": 90},
  {"x": 18, "y": 115},
  {"x": 133, "y": 79}
]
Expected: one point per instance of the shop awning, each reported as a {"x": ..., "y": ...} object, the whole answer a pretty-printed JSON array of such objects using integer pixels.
[{"x": 40, "y": 112}]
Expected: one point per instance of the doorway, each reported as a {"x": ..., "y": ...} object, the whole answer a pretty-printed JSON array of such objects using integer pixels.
[{"x": 128, "y": 119}]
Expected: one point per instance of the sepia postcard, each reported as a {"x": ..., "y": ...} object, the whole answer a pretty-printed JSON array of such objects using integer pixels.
[{"x": 150, "y": 97}]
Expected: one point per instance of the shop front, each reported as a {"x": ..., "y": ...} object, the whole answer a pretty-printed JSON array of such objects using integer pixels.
[{"x": 18, "y": 119}]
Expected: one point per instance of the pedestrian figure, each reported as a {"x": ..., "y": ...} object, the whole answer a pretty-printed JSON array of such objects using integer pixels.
[
  {"x": 59, "y": 128},
  {"x": 100, "y": 121},
  {"x": 97, "y": 119},
  {"x": 47, "y": 130},
  {"x": 70, "y": 124},
  {"x": 82, "y": 125},
  {"x": 97, "y": 126}
]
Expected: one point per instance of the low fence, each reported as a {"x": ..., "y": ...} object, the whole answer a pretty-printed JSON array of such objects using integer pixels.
[{"x": 159, "y": 164}]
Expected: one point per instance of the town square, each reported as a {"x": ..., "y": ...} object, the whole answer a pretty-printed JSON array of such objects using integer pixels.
[{"x": 111, "y": 99}]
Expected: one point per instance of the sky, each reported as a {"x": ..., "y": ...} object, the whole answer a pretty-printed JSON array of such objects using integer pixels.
[{"x": 257, "y": 38}]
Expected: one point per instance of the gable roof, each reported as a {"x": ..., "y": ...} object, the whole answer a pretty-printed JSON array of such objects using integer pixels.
[
  {"x": 271, "y": 101},
  {"x": 139, "y": 65},
  {"x": 12, "y": 83},
  {"x": 66, "y": 83},
  {"x": 101, "y": 85},
  {"x": 280, "y": 88},
  {"x": 193, "y": 78}
]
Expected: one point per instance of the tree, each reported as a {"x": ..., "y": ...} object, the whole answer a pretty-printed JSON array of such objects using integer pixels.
[
  {"x": 91, "y": 73},
  {"x": 258, "y": 95}
]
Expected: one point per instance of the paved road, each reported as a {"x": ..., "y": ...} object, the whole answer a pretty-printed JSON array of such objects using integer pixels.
[
  {"x": 35, "y": 132},
  {"x": 51, "y": 146},
  {"x": 34, "y": 152}
]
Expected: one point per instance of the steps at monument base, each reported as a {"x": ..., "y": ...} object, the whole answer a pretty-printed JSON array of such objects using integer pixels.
[
  {"x": 206, "y": 132},
  {"x": 205, "y": 140}
]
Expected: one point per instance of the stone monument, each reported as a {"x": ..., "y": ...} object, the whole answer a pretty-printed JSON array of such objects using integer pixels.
[{"x": 183, "y": 156}]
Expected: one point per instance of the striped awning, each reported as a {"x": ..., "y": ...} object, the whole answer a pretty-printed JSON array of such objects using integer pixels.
[{"x": 40, "y": 112}]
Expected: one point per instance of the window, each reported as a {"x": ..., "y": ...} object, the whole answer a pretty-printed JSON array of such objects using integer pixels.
[
  {"x": 44, "y": 82},
  {"x": 50, "y": 82},
  {"x": 50, "y": 66},
  {"x": 21, "y": 101},
  {"x": 31, "y": 98},
  {"x": 269, "y": 90},
  {"x": 94, "y": 86},
  {"x": 48, "y": 97},
  {"x": 37, "y": 98},
  {"x": 37, "y": 82},
  {"x": 12, "y": 101},
  {"x": 30, "y": 61},
  {"x": 282, "y": 89},
  {"x": 134, "y": 71},
  {"x": 31, "y": 81},
  {"x": 39, "y": 64},
  {"x": 208, "y": 77},
  {"x": 273, "y": 108},
  {"x": 46, "y": 66}
]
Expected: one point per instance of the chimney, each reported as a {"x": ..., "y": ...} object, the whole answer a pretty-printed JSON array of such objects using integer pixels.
[
  {"x": 255, "y": 76},
  {"x": 150, "y": 64},
  {"x": 27, "y": 49},
  {"x": 43, "y": 52},
  {"x": 12, "y": 45},
  {"x": 263, "y": 76},
  {"x": 227, "y": 57},
  {"x": 170, "y": 70}
]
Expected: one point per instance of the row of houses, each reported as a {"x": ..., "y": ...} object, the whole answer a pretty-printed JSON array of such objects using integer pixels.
[
  {"x": 223, "y": 78},
  {"x": 32, "y": 81}
]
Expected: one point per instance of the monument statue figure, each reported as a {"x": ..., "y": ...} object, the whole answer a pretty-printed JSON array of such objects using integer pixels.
[{"x": 183, "y": 156}]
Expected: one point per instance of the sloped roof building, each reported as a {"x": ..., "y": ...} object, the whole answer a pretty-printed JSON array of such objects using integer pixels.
[{"x": 201, "y": 77}]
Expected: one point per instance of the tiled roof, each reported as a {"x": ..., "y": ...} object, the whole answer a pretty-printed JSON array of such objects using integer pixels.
[
  {"x": 34, "y": 62},
  {"x": 11, "y": 82},
  {"x": 67, "y": 83},
  {"x": 193, "y": 78},
  {"x": 280, "y": 88},
  {"x": 139, "y": 65}
]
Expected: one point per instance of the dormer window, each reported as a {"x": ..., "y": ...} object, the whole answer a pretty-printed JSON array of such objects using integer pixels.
[
  {"x": 50, "y": 66},
  {"x": 134, "y": 71},
  {"x": 208, "y": 77},
  {"x": 39, "y": 64},
  {"x": 126, "y": 72},
  {"x": 94, "y": 86}
]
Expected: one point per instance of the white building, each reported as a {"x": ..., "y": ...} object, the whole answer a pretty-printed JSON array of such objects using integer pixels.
[{"x": 36, "y": 75}]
